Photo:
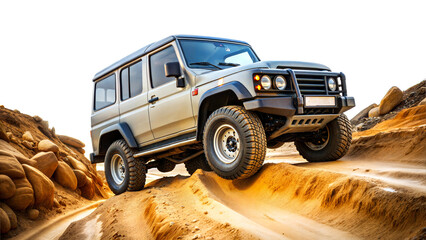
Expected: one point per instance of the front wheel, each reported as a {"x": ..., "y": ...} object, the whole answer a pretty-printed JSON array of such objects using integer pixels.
[
  {"x": 234, "y": 142},
  {"x": 329, "y": 143},
  {"x": 122, "y": 171}
]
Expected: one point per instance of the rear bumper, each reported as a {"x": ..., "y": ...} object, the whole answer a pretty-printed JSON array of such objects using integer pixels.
[{"x": 285, "y": 106}]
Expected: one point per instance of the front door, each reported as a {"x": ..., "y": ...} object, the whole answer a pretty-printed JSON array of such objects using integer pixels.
[{"x": 172, "y": 112}]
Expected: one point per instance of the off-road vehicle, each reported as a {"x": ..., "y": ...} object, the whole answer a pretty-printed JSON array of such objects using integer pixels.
[{"x": 211, "y": 104}]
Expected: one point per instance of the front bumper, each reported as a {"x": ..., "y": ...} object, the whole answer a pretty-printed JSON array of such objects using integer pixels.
[{"x": 284, "y": 106}]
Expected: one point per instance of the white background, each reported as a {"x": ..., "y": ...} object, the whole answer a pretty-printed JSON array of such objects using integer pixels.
[{"x": 50, "y": 50}]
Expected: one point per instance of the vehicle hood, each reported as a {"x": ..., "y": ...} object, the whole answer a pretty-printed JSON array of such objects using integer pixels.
[{"x": 205, "y": 76}]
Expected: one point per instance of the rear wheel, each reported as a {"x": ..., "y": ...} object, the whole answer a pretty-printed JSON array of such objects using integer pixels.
[
  {"x": 234, "y": 142},
  {"x": 199, "y": 162},
  {"x": 329, "y": 143},
  {"x": 122, "y": 171}
]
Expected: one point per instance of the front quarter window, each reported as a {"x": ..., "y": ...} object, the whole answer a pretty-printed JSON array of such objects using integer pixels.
[{"x": 216, "y": 55}]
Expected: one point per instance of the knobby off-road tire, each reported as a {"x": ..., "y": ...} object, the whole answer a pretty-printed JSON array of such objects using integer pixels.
[
  {"x": 234, "y": 142},
  {"x": 331, "y": 143},
  {"x": 199, "y": 162},
  {"x": 122, "y": 171}
]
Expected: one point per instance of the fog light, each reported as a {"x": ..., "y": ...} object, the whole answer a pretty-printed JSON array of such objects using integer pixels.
[
  {"x": 266, "y": 82},
  {"x": 332, "y": 84}
]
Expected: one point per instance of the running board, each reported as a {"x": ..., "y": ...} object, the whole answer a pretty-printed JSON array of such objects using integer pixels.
[{"x": 155, "y": 149}]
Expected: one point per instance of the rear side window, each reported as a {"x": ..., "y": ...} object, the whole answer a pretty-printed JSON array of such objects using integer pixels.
[
  {"x": 105, "y": 92},
  {"x": 156, "y": 64},
  {"x": 131, "y": 81}
]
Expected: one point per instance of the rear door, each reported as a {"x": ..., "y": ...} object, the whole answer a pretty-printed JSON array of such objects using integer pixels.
[
  {"x": 172, "y": 112},
  {"x": 133, "y": 100}
]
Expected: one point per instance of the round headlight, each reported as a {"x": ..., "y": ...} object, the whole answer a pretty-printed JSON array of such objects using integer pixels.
[
  {"x": 280, "y": 82},
  {"x": 332, "y": 84},
  {"x": 266, "y": 82}
]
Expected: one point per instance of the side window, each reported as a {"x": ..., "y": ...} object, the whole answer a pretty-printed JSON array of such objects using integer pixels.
[
  {"x": 105, "y": 92},
  {"x": 156, "y": 64},
  {"x": 131, "y": 81}
]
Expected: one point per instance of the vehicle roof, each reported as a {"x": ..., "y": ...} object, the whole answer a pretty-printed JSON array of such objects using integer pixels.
[{"x": 150, "y": 47}]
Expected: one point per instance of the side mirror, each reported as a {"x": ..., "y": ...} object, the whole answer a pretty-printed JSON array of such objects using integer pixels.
[{"x": 172, "y": 69}]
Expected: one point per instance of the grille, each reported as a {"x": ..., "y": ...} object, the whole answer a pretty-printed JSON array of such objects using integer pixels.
[{"x": 311, "y": 85}]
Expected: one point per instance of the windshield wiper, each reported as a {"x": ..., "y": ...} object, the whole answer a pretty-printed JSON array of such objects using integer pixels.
[
  {"x": 206, "y": 64},
  {"x": 229, "y": 64}
]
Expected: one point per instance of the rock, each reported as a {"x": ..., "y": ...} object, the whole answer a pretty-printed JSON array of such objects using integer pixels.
[
  {"x": 7, "y": 187},
  {"x": 28, "y": 136},
  {"x": 363, "y": 113},
  {"x": 71, "y": 141},
  {"x": 9, "y": 136},
  {"x": 46, "y": 162},
  {"x": 78, "y": 165},
  {"x": 3, "y": 134},
  {"x": 56, "y": 203},
  {"x": 43, "y": 187},
  {"x": 37, "y": 118},
  {"x": 18, "y": 155},
  {"x": 374, "y": 112},
  {"x": 423, "y": 102},
  {"x": 44, "y": 124},
  {"x": 28, "y": 145},
  {"x": 24, "y": 195},
  {"x": 4, "y": 222},
  {"x": 47, "y": 146},
  {"x": 65, "y": 176},
  {"x": 392, "y": 98},
  {"x": 88, "y": 190},
  {"x": 81, "y": 178},
  {"x": 33, "y": 214},
  {"x": 81, "y": 150},
  {"x": 12, "y": 216},
  {"x": 10, "y": 166}
]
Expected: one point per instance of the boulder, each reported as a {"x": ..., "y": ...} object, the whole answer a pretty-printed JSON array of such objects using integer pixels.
[
  {"x": 78, "y": 165},
  {"x": 363, "y": 113},
  {"x": 374, "y": 112},
  {"x": 65, "y": 176},
  {"x": 7, "y": 187},
  {"x": 47, "y": 146},
  {"x": 12, "y": 216},
  {"x": 37, "y": 118},
  {"x": 3, "y": 134},
  {"x": 28, "y": 144},
  {"x": 8, "y": 148},
  {"x": 4, "y": 222},
  {"x": 33, "y": 214},
  {"x": 24, "y": 195},
  {"x": 44, "y": 188},
  {"x": 81, "y": 150},
  {"x": 10, "y": 166},
  {"x": 81, "y": 178},
  {"x": 46, "y": 162},
  {"x": 392, "y": 98},
  {"x": 423, "y": 102},
  {"x": 71, "y": 141},
  {"x": 88, "y": 190},
  {"x": 28, "y": 136}
]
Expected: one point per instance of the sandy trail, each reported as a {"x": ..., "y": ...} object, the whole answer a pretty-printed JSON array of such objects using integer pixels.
[{"x": 378, "y": 191}]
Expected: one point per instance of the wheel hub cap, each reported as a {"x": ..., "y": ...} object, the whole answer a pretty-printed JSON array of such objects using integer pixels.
[
  {"x": 320, "y": 140},
  {"x": 118, "y": 170},
  {"x": 226, "y": 143}
]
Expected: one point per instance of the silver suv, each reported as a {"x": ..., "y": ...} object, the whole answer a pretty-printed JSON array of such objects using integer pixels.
[{"x": 211, "y": 104}]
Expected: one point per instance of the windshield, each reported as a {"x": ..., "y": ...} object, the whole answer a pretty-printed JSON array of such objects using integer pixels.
[{"x": 216, "y": 55}]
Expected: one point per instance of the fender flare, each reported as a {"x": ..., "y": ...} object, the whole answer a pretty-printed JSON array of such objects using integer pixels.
[
  {"x": 124, "y": 130},
  {"x": 236, "y": 87}
]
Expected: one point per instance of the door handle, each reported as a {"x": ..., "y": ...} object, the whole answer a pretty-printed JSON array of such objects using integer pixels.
[{"x": 153, "y": 99}]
